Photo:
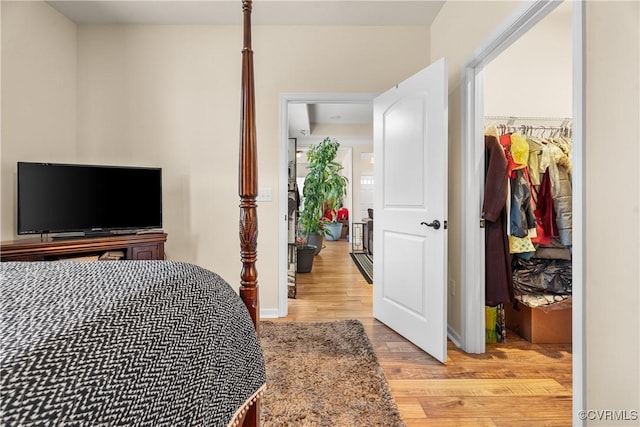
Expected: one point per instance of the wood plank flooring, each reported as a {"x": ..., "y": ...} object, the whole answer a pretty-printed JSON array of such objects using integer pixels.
[{"x": 512, "y": 384}]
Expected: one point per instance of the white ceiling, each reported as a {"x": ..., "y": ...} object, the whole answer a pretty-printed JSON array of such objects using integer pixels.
[
  {"x": 340, "y": 113},
  {"x": 265, "y": 12},
  {"x": 304, "y": 118}
]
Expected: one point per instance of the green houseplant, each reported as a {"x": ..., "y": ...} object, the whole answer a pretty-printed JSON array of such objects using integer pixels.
[{"x": 324, "y": 188}]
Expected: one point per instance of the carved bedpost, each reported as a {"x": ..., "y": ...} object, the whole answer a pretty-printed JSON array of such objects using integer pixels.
[
  {"x": 248, "y": 190},
  {"x": 248, "y": 179}
]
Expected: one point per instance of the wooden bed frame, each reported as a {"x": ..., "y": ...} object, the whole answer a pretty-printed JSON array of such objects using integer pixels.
[{"x": 248, "y": 190}]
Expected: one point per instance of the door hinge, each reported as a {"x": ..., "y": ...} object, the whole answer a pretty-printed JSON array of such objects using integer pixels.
[
  {"x": 446, "y": 224},
  {"x": 482, "y": 223}
]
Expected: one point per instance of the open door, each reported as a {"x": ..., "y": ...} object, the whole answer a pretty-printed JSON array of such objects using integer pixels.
[{"x": 410, "y": 209}]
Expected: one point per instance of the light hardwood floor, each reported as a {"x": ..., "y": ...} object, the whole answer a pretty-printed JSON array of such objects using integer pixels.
[{"x": 512, "y": 384}]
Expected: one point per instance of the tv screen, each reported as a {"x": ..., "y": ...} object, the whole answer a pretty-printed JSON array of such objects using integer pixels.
[{"x": 56, "y": 198}]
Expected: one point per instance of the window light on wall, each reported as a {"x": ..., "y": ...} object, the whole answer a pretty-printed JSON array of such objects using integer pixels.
[{"x": 366, "y": 180}]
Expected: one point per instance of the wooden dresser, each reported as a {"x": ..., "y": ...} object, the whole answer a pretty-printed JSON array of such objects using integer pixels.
[{"x": 134, "y": 246}]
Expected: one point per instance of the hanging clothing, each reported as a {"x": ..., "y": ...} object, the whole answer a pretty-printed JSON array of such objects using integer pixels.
[
  {"x": 563, "y": 201},
  {"x": 533, "y": 165},
  {"x": 505, "y": 142},
  {"x": 498, "y": 275},
  {"x": 521, "y": 218},
  {"x": 544, "y": 212},
  {"x": 556, "y": 163},
  {"x": 521, "y": 215},
  {"x": 527, "y": 197},
  {"x": 519, "y": 151}
]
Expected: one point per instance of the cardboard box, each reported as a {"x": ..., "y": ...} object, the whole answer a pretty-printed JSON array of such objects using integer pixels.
[
  {"x": 345, "y": 228},
  {"x": 540, "y": 326}
]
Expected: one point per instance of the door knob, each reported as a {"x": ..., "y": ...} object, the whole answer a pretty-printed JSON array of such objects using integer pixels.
[{"x": 435, "y": 224}]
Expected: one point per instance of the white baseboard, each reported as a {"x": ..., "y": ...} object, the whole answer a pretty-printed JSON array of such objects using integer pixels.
[
  {"x": 454, "y": 337},
  {"x": 269, "y": 313}
]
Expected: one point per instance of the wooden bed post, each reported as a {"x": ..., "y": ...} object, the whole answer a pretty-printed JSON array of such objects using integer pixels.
[
  {"x": 248, "y": 179},
  {"x": 248, "y": 190}
]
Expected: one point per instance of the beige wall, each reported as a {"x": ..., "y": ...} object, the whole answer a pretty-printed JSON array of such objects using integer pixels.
[
  {"x": 532, "y": 78},
  {"x": 612, "y": 184},
  {"x": 612, "y": 238},
  {"x": 455, "y": 34},
  {"x": 38, "y": 95},
  {"x": 169, "y": 96}
]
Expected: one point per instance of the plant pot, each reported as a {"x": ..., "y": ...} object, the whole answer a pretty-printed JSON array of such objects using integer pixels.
[
  {"x": 335, "y": 230},
  {"x": 305, "y": 258},
  {"x": 315, "y": 239}
]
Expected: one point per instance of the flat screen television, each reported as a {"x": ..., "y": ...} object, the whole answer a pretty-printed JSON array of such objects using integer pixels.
[{"x": 92, "y": 199}]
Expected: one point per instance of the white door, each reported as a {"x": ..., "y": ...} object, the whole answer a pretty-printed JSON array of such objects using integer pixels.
[{"x": 410, "y": 209}]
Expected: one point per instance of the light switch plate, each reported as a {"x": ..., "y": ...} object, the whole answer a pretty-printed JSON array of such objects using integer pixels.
[{"x": 264, "y": 195}]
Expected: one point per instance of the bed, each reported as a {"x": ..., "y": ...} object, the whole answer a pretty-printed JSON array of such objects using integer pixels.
[
  {"x": 124, "y": 343},
  {"x": 138, "y": 342}
]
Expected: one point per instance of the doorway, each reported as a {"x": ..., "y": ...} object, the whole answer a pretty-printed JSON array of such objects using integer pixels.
[
  {"x": 473, "y": 321},
  {"x": 297, "y": 100}
]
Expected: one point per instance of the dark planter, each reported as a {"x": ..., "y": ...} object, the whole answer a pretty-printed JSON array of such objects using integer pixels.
[
  {"x": 305, "y": 258},
  {"x": 315, "y": 239}
]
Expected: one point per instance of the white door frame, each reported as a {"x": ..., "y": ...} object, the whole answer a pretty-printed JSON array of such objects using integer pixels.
[
  {"x": 285, "y": 100},
  {"x": 472, "y": 289}
]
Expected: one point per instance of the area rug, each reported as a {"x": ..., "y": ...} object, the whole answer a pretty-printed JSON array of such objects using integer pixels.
[
  {"x": 364, "y": 262},
  {"x": 323, "y": 374}
]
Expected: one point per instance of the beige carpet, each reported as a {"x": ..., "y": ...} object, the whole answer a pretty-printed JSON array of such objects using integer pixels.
[{"x": 323, "y": 374}]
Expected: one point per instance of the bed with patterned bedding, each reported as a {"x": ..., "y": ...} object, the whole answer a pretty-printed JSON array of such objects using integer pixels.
[{"x": 145, "y": 343}]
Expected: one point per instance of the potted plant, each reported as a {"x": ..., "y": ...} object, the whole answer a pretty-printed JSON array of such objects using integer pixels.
[
  {"x": 330, "y": 224},
  {"x": 324, "y": 188}
]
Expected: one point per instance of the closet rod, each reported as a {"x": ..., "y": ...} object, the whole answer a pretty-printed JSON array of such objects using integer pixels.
[
  {"x": 511, "y": 120},
  {"x": 538, "y": 127},
  {"x": 549, "y": 119}
]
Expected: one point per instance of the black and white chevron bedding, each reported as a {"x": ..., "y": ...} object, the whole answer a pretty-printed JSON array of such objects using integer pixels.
[{"x": 128, "y": 343}]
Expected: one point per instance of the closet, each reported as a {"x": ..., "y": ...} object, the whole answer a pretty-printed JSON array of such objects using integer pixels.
[
  {"x": 527, "y": 193},
  {"x": 528, "y": 214}
]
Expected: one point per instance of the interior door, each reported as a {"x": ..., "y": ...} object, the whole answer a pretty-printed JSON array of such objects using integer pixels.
[{"x": 410, "y": 209}]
